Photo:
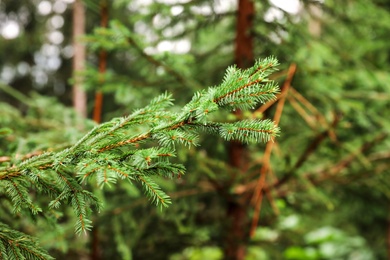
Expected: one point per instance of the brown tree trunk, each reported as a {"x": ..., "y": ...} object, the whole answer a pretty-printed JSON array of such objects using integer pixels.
[
  {"x": 244, "y": 40},
  {"x": 97, "y": 111},
  {"x": 79, "y": 95},
  {"x": 95, "y": 244},
  {"x": 237, "y": 232}
]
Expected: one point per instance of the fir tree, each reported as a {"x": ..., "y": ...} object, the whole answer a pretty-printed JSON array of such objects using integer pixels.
[{"x": 136, "y": 148}]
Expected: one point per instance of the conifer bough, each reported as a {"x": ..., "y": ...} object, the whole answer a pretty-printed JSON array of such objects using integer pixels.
[{"x": 123, "y": 149}]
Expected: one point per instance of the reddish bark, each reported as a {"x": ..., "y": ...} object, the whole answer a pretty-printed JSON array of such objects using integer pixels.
[
  {"x": 237, "y": 210},
  {"x": 244, "y": 41},
  {"x": 235, "y": 247},
  {"x": 95, "y": 248},
  {"x": 97, "y": 111}
]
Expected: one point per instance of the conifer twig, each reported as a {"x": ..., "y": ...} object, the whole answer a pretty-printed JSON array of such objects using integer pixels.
[
  {"x": 23, "y": 157},
  {"x": 97, "y": 111}
]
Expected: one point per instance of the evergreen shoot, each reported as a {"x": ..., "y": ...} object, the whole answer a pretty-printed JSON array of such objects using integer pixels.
[{"x": 136, "y": 148}]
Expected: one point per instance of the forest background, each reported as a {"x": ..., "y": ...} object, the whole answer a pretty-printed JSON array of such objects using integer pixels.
[{"x": 325, "y": 179}]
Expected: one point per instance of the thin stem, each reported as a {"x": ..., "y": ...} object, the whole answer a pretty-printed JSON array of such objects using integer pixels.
[{"x": 258, "y": 194}]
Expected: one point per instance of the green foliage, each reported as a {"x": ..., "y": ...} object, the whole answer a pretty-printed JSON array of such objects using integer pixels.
[
  {"x": 212, "y": 253},
  {"x": 16, "y": 245},
  {"x": 119, "y": 149},
  {"x": 329, "y": 243},
  {"x": 329, "y": 168}
]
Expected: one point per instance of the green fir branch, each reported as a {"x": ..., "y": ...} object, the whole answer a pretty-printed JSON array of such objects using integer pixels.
[
  {"x": 139, "y": 147},
  {"x": 154, "y": 192},
  {"x": 249, "y": 131},
  {"x": 16, "y": 245},
  {"x": 100, "y": 149}
]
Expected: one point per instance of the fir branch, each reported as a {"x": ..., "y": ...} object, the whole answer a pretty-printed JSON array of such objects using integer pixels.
[
  {"x": 154, "y": 192},
  {"x": 115, "y": 149},
  {"x": 16, "y": 245},
  {"x": 125, "y": 142},
  {"x": 264, "y": 67},
  {"x": 249, "y": 131},
  {"x": 243, "y": 89}
]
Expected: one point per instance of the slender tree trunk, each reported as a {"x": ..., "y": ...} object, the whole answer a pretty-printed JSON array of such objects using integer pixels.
[
  {"x": 237, "y": 233},
  {"x": 235, "y": 244},
  {"x": 244, "y": 39},
  {"x": 95, "y": 244},
  {"x": 97, "y": 112},
  {"x": 79, "y": 95}
]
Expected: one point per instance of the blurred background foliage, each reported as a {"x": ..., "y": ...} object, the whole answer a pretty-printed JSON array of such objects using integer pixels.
[{"x": 327, "y": 190}]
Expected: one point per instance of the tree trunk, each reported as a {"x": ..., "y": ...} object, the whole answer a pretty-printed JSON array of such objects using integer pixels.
[
  {"x": 79, "y": 95},
  {"x": 97, "y": 111},
  {"x": 244, "y": 39},
  {"x": 235, "y": 247}
]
